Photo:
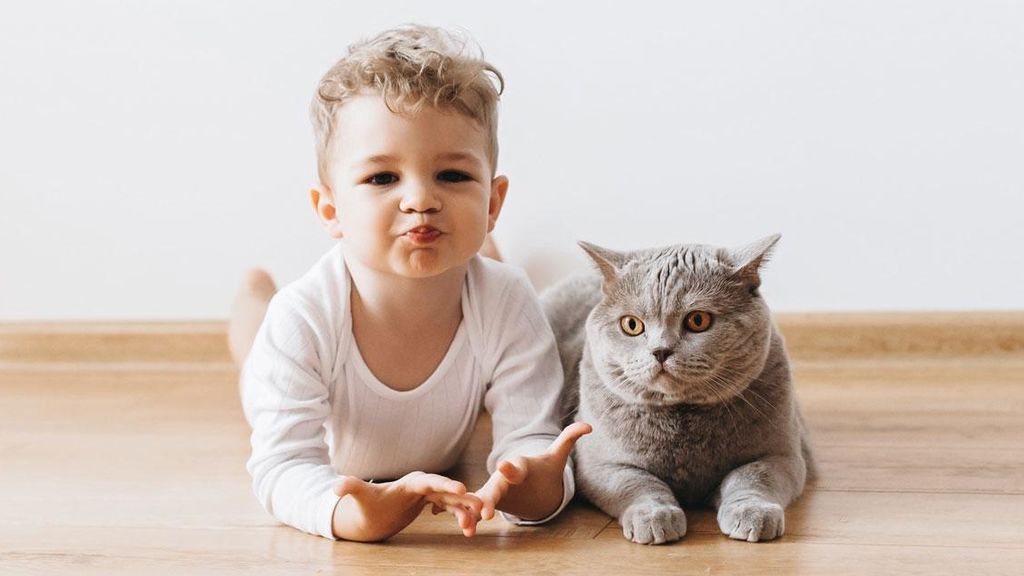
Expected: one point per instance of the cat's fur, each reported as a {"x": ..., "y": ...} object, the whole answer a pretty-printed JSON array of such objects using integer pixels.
[{"x": 716, "y": 423}]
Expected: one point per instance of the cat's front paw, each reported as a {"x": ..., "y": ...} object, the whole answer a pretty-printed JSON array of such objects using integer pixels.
[
  {"x": 752, "y": 520},
  {"x": 652, "y": 523}
]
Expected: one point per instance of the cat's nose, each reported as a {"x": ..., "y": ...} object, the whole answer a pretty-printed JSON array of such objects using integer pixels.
[{"x": 662, "y": 354}]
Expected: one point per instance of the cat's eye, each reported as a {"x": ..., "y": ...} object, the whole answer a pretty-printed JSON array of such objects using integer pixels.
[
  {"x": 631, "y": 325},
  {"x": 697, "y": 321}
]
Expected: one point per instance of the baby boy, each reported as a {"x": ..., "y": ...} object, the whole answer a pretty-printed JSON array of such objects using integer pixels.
[{"x": 363, "y": 379}]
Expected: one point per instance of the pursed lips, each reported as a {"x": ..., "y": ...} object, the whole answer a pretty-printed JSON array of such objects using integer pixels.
[{"x": 422, "y": 234}]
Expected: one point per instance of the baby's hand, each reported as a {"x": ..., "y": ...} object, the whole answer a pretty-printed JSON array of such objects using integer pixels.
[
  {"x": 530, "y": 487},
  {"x": 372, "y": 512}
]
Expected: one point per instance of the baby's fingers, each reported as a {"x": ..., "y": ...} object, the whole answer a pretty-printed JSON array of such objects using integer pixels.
[
  {"x": 562, "y": 446},
  {"x": 466, "y": 520},
  {"x": 491, "y": 493},
  {"x": 468, "y": 502},
  {"x": 466, "y": 509},
  {"x": 513, "y": 470},
  {"x": 424, "y": 484}
]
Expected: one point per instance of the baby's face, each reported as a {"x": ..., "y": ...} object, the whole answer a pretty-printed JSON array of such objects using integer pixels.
[{"x": 414, "y": 193}]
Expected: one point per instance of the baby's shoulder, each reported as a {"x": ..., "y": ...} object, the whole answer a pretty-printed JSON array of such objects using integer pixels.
[
  {"x": 317, "y": 299},
  {"x": 500, "y": 298},
  {"x": 495, "y": 284}
]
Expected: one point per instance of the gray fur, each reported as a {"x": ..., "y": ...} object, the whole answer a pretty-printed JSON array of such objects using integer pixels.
[{"x": 716, "y": 423}]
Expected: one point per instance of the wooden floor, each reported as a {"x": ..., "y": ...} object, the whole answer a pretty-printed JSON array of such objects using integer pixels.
[{"x": 138, "y": 467}]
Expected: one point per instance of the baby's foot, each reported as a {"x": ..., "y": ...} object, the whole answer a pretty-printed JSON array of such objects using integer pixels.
[
  {"x": 653, "y": 523},
  {"x": 752, "y": 520},
  {"x": 247, "y": 312}
]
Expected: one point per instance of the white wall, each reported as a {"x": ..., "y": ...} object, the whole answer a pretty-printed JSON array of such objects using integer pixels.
[{"x": 151, "y": 151}]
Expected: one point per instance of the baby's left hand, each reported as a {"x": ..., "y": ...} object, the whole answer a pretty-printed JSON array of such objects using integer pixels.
[{"x": 530, "y": 487}]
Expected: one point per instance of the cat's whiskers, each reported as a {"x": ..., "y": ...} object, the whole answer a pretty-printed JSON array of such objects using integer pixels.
[
  {"x": 721, "y": 381},
  {"x": 620, "y": 382},
  {"x": 736, "y": 374},
  {"x": 722, "y": 401}
]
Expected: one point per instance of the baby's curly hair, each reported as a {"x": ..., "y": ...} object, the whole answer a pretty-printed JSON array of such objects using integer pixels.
[{"x": 410, "y": 67}]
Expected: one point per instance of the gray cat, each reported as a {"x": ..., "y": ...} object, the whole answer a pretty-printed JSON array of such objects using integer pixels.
[{"x": 672, "y": 355}]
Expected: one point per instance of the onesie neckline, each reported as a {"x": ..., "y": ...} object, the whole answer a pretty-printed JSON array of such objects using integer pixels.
[{"x": 382, "y": 389}]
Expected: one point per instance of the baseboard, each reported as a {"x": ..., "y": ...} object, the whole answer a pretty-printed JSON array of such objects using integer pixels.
[
  {"x": 114, "y": 342},
  {"x": 811, "y": 336},
  {"x": 823, "y": 336}
]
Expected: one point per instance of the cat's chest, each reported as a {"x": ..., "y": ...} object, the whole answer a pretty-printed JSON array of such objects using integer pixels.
[
  {"x": 691, "y": 450},
  {"x": 673, "y": 436}
]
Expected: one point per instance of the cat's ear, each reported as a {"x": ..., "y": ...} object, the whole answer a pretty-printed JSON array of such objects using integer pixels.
[
  {"x": 747, "y": 261},
  {"x": 608, "y": 261}
]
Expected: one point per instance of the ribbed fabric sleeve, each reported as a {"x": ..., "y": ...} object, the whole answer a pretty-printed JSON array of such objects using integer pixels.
[
  {"x": 287, "y": 402},
  {"x": 525, "y": 385}
]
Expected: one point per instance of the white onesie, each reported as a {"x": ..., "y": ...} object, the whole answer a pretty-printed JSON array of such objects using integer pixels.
[{"x": 317, "y": 412}]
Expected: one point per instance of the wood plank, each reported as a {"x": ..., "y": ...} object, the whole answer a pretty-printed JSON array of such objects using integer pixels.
[
  {"x": 280, "y": 551},
  {"x": 957, "y": 404},
  {"x": 922, "y": 469}
]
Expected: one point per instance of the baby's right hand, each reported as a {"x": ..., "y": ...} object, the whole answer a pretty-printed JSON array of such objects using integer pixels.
[{"x": 370, "y": 512}]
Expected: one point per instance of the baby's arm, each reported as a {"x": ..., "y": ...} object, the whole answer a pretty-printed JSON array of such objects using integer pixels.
[
  {"x": 531, "y": 473},
  {"x": 286, "y": 401}
]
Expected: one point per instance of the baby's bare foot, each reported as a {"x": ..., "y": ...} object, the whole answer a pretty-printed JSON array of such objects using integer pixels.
[{"x": 247, "y": 312}]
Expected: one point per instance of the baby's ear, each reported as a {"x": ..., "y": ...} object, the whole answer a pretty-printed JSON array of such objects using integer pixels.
[
  {"x": 323, "y": 205},
  {"x": 499, "y": 188},
  {"x": 608, "y": 261},
  {"x": 748, "y": 260}
]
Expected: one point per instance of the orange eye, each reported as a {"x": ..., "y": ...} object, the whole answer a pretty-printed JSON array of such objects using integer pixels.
[
  {"x": 631, "y": 325},
  {"x": 698, "y": 321}
]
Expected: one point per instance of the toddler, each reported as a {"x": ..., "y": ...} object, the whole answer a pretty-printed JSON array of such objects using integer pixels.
[{"x": 363, "y": 380}]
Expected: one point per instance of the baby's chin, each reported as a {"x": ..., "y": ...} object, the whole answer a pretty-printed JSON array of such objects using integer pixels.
[
  {"x": 423, "y": 263},
  {"x": 428, "y": 262}
]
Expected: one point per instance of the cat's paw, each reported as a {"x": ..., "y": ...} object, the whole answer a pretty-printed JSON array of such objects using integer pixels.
[
  {"x": 752, "y": 520},
  {"x": 651, "y": 523}
]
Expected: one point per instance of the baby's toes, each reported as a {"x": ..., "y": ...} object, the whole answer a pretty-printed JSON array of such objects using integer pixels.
[
  {"x": 752, "y": 520},
  {"x": 651, "y": 523}
]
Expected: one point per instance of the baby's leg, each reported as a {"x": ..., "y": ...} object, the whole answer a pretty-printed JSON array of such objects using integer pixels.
[{"x": 247, "y": 312}]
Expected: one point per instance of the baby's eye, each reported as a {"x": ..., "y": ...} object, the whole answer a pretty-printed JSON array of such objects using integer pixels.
[
  {"x": 382, "y": 179},
  {"x": 453, "y": 176}
]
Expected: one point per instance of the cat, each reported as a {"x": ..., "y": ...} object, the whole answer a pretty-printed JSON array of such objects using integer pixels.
[{"x": 673, "y": 357}]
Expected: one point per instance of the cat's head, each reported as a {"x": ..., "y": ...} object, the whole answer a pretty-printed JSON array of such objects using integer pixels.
[{"x": 684, "y": 324}]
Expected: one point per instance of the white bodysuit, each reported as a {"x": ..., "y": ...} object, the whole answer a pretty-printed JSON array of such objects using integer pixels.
[{"x": 317, "y": 412}]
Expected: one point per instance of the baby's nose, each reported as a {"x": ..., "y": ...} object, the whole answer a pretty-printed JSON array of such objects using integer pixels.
[{"x": 420, "y": 198}]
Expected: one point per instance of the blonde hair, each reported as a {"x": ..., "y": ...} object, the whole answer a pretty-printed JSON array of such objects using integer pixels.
[{"x": 410, "y": 67}]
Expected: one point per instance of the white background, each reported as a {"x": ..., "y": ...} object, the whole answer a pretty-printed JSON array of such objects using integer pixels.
[{"x": 151, "y": 151}]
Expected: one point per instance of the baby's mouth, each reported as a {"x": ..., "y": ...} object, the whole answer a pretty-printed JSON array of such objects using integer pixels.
[{"x": 423, "y": 235}]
